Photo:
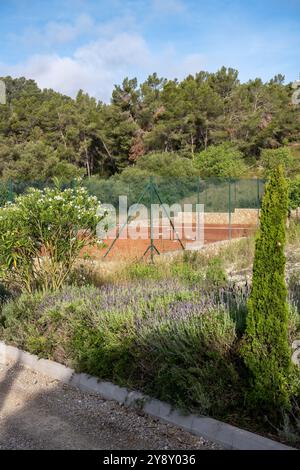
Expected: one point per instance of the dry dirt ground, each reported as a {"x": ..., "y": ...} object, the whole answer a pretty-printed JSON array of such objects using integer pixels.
[{"x": 37, "y": 412}]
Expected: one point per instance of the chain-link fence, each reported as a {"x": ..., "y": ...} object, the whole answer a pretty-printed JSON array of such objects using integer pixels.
[
  {"x": 164, "y": 213},
  {"x": 229, "y": 209}
]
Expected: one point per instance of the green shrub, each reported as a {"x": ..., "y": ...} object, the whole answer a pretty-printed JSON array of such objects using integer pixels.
[
  {"x": 104, "y": 346},
  {"x": 221, "y": 161},
  {"x": 266, "y": 350},
  {"x": 142, "y": 270},
  {"x": 187, "y": 272},
  {"x": 271, "y": 158},
  {"x": 18, "y": 320},
  {"x": 179, "y": 268},
  {"x": 41, "y": 235},
  {"x": 215, "y": 274},
  {"x": 188, "y": 362},
  {"x": 185, "y": 357}
]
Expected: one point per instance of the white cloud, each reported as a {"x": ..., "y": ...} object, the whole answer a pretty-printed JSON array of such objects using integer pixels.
[
  {"x": 96, "y": 66},
  {"x": 113, "y": 50},
  {"x": 119, "y": 52},
  {"x": 63, "y": 74}
]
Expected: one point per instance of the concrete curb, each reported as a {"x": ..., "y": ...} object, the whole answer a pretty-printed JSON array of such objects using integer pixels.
[{"x": 229, "y": 437}]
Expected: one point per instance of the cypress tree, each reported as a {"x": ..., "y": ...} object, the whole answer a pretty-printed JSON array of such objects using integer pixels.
[{"x": 266, "y": 349}]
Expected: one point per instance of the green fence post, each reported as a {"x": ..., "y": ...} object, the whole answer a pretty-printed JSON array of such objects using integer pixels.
[
  {"x": 151, "y": 221},
  {"x": 235, "y": 195},
  {"x": 197, "y": 211},
  {"x": 155, "y": 191}
]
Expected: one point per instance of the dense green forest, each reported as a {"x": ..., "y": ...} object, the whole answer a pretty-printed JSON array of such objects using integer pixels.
[{"x": 210, "y": 123}]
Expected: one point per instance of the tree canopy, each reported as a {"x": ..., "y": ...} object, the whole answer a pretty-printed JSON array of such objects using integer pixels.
[
  {"x": 221, "y": 161},
  {"x": 43, "y": 132}
]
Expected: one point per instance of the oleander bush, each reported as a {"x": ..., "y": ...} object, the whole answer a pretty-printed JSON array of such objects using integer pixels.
[{"x": 42, "y": 233}]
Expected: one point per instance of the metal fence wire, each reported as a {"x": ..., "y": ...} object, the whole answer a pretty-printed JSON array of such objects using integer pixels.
[
  {"x": 230, "y": 206},
  {"x": 218, "y": 195}
]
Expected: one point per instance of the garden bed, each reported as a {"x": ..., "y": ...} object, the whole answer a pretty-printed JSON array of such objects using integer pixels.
[
  {"x": 175, "y": 330},
  {"x": 168, "y": 339}
]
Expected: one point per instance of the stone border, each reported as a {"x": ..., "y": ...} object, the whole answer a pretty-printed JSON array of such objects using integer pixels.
[{"x": 229, "y": 437}]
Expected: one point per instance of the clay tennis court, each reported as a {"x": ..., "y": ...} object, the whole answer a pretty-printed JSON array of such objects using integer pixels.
[{"x": 133, "y": 249}]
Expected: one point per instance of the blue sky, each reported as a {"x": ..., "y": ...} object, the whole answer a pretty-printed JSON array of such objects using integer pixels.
[{"x": 93, "y": 44}]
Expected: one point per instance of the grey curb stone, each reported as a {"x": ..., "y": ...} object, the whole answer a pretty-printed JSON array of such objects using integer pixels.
[
  {"x": 229, "y": 437},
  {"x": 108, "y": 390},
  {"x": 135, "y": 400}
]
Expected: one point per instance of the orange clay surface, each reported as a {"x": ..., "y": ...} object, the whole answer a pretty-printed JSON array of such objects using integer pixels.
[{"x": 130, "y": 249}]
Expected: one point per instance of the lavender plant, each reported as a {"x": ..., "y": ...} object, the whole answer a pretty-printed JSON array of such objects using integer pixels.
[{"x": 175, "y": 341}]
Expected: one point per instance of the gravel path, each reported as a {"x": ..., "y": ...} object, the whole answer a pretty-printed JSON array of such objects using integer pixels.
[{"x": 37, "y": 412}]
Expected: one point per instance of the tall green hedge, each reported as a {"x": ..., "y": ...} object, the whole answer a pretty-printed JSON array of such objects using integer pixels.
[{"x": 266, "y": 350}]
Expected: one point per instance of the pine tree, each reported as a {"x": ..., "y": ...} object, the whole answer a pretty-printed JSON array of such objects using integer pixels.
[{"x": 266, "y": 350}]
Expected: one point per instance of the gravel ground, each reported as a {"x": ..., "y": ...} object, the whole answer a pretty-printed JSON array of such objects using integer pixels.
[{"x": 37, "y": 412}]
